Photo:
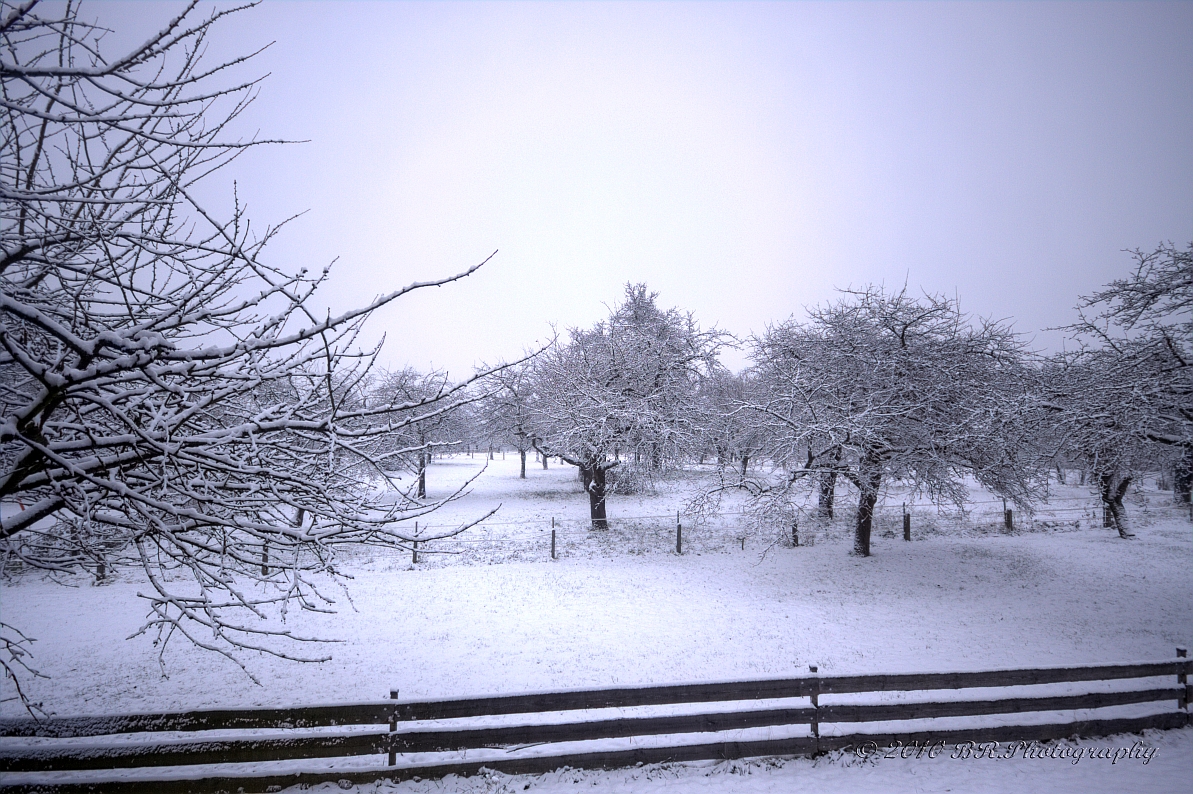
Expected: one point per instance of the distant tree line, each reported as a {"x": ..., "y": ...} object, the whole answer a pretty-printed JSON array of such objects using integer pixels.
[{"x": 877, "y": 386}]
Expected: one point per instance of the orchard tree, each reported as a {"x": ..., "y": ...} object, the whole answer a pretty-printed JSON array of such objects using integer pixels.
[
  {"x": 416, "y": 399},
  {"x": 884, "y": 386},
  {"x": 1097, "y": 416},
  {"x": 505, "y": 414},
  {"x": 1145, "y": 322},
  {"x": 168, "y": 397},
  {"x": 730, "y": 429},
  {"x": 1153, "y": 307},
  {"x": 1123, "y": 402},
  {"x": 624, "y": 390}
]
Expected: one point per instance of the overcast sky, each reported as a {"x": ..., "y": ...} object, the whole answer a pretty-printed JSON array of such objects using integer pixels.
[{"x": 742, "y": 159}]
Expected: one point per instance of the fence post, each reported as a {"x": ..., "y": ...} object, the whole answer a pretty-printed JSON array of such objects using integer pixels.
[
  {"x": 1182, "y": 678},
  {"x": 795, "y": 531},
  {"x": 814, "y": 696},
  {"x": 393, "y": 726},
  {"x": 678, "y": 534},
  {"x": 906, "y": 523},
  {"x": 552, "y": 544}
]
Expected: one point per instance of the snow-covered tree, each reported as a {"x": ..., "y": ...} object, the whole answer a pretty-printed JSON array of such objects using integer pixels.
[
  {"x": 883, "y": 386},
  {"x": 624, "y": 390},
  {"x": 731, "y": 432},
  {"x": 1122, "y": 402},
  {"x": 1145, "y": 322},
  {"x": 168, "y": 397},
  {"x": 1095, "y": 414},
  {"x": 505, "y": 413},
  {"x": 415, "y": 399}
]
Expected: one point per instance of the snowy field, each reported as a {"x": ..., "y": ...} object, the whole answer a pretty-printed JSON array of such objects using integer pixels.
[{"x": 624, "y": 609}]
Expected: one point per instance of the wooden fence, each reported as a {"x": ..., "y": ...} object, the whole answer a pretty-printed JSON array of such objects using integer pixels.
[{"x": 50, "y": 755}]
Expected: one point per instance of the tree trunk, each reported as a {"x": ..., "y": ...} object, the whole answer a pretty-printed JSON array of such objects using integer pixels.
[
  {"x": 422, "y": 476},
  {"x": 544, "y": 461},
  {"x": 1060, "y": 474},
  {"x": 828, "y": 493},
  {"x": 1182, "y": 477},
  {"x": 594, "y": 482},
  {"x": 1112, "y": 501},
  {"x": 745, "y": 462},
  {"x": 490, "y": 453},
  {"x": 522, "y": 452},
  {"x": 870, "y": 475},
  {"x": 828, "y": 486}
]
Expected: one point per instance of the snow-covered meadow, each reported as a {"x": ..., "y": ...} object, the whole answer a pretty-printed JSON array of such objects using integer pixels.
[{"x": 625, "y": 609}]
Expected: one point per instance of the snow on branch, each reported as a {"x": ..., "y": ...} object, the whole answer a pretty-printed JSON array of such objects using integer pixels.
[{"x": 168, "y": 397}]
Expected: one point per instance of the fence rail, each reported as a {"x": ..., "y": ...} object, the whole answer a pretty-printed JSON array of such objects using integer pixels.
[{"x": 46, "y": 756}]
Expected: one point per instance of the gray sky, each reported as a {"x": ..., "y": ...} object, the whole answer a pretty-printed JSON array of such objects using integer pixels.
[{"x": 742, "y": 159}]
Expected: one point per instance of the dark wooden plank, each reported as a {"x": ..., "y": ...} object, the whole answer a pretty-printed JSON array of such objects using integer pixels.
[
  {"x": 505, "y": 736},
  {"x": 971, "y": 708},
  {"x": 1086, "y": 729},
  {"x": 203, "y": 720},
  {"x": 998, "y": 678},
  {"x": 613, "y": 759},
  {"x": 616, "y": 697},
  {"x": 49, "y": 758},
  {"x": 627, "y": 697}
]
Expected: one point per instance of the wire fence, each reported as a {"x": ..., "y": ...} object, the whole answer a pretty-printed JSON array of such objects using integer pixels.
[
  {"x": 740, "y": 531},
  {"x": 748, "y": 531}
]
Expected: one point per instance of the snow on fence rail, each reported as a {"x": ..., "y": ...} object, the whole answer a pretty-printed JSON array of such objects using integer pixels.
[{"x": 435, "y": 738}]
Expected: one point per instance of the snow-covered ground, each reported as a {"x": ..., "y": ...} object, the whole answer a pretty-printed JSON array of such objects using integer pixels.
[{"x": 623, "y": 609}]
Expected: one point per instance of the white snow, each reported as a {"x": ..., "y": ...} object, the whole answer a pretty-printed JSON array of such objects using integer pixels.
[{"x": 623, "y": 608}]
